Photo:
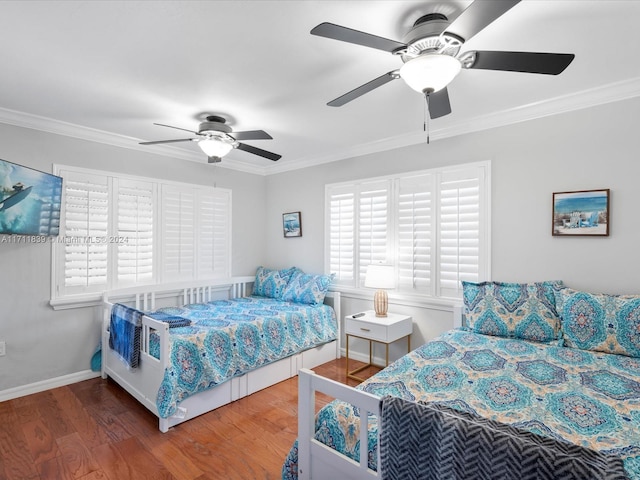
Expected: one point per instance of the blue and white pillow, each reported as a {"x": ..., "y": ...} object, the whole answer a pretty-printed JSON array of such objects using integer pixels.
[
  {"x": 307, "y": 288},
  {"x": 600, "y": 322},
  {"x": 513, "y": 310},
  {"x": 271, "y": 283}
]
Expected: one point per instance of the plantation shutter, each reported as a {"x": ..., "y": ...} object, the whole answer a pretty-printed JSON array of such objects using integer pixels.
[
  {"x": 178, "y": 233},
  {"x": 341, "y": 208},
  {"x": 118, "y": 231},
  {"x": 196, "y": 233},
  {"x": 85, "y": 232},
  {"x": 432, "y": 226},
  {"x": 461, "y": 237},
  {"x": 415, "y": 233},
  {"x": 373, "y": 227},
  {"x": 214, "y": 245},
  {"x": 134, "y": 238}
]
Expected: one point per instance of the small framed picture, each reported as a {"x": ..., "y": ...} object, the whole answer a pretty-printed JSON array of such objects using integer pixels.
[
  {"x": 584, "y": 212},
  {"x": 292, "y": 224}
]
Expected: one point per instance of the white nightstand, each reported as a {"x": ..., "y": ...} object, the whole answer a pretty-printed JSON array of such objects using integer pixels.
[{"x": 377, "y": 329}]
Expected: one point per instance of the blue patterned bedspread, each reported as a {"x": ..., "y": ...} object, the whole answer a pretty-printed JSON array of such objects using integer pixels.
[
  {"x": 587, "y": 398},
  {"x": 227, "y": 338}
]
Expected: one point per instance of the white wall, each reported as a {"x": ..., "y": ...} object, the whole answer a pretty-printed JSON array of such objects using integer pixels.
[
  {"x": 588, "y": 149},
  {"x": 593, "y": 148},
  {"x": 43, "y": 344}
]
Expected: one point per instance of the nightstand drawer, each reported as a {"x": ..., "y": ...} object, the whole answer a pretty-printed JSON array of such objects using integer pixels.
[{"x": 367, "y": 329}]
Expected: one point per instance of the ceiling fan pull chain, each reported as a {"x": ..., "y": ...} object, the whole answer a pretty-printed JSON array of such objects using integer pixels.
[{"x": 426, "y": 115}]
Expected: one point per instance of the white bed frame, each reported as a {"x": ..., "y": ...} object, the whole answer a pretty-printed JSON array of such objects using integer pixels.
[
  {"x": 143, "y": 382},
  {"x": 315, "y": 459}
]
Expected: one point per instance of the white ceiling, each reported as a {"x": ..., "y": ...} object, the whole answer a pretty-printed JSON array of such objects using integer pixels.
[{"x": 107, "y": 70}]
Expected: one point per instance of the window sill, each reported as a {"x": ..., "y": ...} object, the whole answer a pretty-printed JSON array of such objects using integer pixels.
[
  {"x": 421, "y": 301},
  {"x": 160, "y": 291},
  {"x": 76, "y": 301}
]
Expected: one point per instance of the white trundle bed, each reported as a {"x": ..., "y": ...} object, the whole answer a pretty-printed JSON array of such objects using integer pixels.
[{"x": 144, "y": 381}]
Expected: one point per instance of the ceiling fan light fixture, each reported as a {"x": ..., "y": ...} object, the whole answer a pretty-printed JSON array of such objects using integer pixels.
[
  {"x": 430, "y": 72},
  {"x": 216, "y": 146}
]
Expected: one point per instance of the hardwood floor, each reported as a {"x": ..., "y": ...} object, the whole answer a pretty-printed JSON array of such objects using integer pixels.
[{"x": 95, "y": 430}]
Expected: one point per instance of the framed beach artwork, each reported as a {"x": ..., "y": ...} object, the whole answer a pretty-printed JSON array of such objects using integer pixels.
[
  {"x": 584, "y": 212},
  {"x": 292, "y": 224}
]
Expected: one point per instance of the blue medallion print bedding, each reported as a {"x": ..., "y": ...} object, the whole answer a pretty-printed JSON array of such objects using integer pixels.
[
  {"x": 227, "y": 338},
  {"x": 591, "y": 399}
]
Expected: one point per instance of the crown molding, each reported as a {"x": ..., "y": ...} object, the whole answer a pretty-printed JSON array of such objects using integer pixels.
[
  {"x": 49, "y": 125},
  {"x": 609, "y": 93}
]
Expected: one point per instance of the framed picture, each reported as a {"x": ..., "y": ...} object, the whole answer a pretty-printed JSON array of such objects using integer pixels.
[
  {"x": 584, "y": 212},
  {"x": 292, "y": 224}
]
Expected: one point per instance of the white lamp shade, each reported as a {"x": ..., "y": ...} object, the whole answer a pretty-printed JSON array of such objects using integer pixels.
[
  {"x": 215, "y": 147},
  {"x": 379, "y": 276},
  {"x": 430, "y": 72}
]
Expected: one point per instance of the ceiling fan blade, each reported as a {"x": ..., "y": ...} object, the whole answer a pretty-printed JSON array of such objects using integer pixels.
[
  {"x": 362, "y": 89},
  {"x": 177, "y": 128},
  {"x": 258, "y": 151},
  {"x": 251, "y": 135},
  {"x": 439, "y": 105},
  {"x": 528, "y": 62},
  {"x": 168, "y": 141},
  {"x": 344, "y": 34},
  {"x": 478, "y": 15}
]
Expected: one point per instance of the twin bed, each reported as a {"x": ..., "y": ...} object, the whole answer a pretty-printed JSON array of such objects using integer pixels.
[
  {"x": 559, "y": 367},
  {"x": 215, "y": 342},
  {"x": 553, "y": 370}
]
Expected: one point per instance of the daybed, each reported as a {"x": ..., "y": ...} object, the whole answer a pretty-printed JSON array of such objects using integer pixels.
[
  {"x": 570, "y": 380},
  {"x": 217, "y": 343}
]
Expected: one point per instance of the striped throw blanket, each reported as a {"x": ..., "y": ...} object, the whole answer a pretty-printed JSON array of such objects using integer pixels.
[{"x": 124, "y": 333}]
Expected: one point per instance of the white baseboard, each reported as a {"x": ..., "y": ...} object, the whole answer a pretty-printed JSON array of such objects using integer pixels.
[
  {"x": 16, "y": 392},
  {"x": 361, "y": 357}
]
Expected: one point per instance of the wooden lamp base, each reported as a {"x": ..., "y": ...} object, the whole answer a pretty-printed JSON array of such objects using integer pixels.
[{"x": 381, "y": 303}]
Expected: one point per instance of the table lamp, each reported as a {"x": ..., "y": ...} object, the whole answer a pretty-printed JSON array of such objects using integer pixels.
[{"x": 380, "y": 276}]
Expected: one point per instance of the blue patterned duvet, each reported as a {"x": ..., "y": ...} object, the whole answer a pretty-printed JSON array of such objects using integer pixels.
[
  {"x": 587, "y": 398},
  {"x": 227, "y": 338}
]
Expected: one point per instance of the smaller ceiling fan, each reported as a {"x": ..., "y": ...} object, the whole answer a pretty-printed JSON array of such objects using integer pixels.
[
  {"x": 431, "y": 52},
  {"x": 216, "y": 139}
]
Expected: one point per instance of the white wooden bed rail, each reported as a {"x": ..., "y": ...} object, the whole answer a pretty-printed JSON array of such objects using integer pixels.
[
  {"x": 145, "y": 297},
  {"x": 315, "y": 459},
  {"x": 144, "y": 381}
]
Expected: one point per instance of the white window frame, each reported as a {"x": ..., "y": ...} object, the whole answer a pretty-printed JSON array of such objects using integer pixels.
[
  {"x": 216, "y": 266},
  {"x": 351, "y": 277}
]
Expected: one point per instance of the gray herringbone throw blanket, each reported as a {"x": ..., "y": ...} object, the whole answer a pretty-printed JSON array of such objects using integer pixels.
[{"x": 436, "y": 442}]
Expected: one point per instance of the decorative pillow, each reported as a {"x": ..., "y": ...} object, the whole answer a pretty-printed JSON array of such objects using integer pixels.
[
  {"x": 601, "y": 322},
  {"x": 271, "y": 283},
  {"x": 306, "y": 288},
  {"x": 515, "y": 310}
]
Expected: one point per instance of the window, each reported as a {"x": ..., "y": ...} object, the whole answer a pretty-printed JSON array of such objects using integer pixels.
[
  {"x": 195, "y": 231},
  {"x": 135, "y": 222},
  {"x": 118, "y": 231},
  {"x": 432, "y": 226},
  {"x": 85, "y": 217}
]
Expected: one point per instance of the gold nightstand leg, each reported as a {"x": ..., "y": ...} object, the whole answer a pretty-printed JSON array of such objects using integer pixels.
[{"x": 347, "y": 358}]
